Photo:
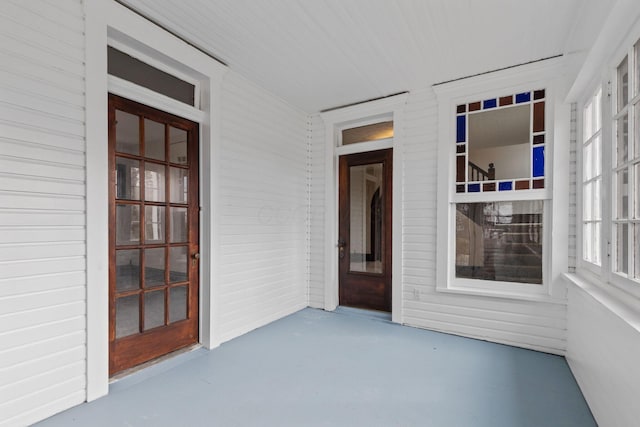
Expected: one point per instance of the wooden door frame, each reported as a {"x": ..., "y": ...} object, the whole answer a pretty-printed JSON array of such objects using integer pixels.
[{"x": 391, "y": 107}]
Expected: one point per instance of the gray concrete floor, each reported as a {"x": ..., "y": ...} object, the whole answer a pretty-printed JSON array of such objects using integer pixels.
[{"x": 346, "y": 368}]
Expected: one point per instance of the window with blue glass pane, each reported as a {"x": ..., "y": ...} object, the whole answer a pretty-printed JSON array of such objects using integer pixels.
[
  {"x": 538, "y": 161},
  {"x": 496, "y": 145},
  {"x": 523, "y": 97},
  {"x": 461, "y": 128}
]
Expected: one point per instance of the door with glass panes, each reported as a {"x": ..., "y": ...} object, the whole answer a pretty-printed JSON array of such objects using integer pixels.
[{"x": 153, "y": 233}]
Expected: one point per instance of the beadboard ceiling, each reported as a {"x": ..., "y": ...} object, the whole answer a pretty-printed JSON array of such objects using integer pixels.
[{"x": 320, "y": 54}]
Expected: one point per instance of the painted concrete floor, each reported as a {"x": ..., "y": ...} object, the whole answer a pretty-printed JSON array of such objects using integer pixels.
[{"x": 346, "y": 368}]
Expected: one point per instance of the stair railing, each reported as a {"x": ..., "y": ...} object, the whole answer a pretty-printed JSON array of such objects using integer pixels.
[{"x": 476, "y": 173}]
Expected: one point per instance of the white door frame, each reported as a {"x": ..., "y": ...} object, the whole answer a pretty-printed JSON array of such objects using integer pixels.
[
  {"x": 107, "y": 22},
  {"x": 391, "y": 107}
]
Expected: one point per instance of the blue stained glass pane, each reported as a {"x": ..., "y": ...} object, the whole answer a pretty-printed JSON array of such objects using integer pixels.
[
  {"x": 538, "y": 161},
  {"x": 490, "y": 103},
  {"x": 461, "y": 128},
  {"x": 474, "y": 188},
  {"x": 523, "y": 97},
  {"x": 504, "y": 186}
]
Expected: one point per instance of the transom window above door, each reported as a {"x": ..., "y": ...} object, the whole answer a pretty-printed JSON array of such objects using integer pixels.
[{"x": 370, "y": 132}]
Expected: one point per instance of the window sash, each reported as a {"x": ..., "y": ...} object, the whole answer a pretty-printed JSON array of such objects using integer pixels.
[{"x": 618, "y": 218}]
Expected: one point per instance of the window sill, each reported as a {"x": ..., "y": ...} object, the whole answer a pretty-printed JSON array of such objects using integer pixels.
[
  {"x": 512, "y": 295},
  {"x": 624, "y": 306}
]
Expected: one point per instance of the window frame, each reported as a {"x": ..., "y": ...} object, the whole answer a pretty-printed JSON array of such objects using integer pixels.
[
  {"x": 580, "y": 147},
  {"x": 606, "y": 276},
  {"x": 525, "y": 78}
]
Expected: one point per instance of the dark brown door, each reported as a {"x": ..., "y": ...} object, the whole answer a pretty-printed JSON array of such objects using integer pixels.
[
  {"x": 153, "y": 234},
  {"x": 364, "y": 246}
]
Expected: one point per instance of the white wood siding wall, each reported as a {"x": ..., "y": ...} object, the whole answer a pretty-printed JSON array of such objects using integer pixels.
[
  {"x": 526, "y": 324},
  {"x": 539, "y": 326},
  {"x": 263, "y": 205},
  {"x": 42, "y": 206},
  {"x": 316, "y": 212},
  {"x": 602, "y": 351}
]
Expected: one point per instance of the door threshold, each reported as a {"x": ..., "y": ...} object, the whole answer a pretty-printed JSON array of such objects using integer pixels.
[
  {"x": 154, "y": 367},
  {"x": 363, "y": 312}
]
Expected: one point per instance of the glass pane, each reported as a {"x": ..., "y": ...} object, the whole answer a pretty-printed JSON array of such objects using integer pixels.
[
  {"x": 538, "y": 117},
  {"x": 127, "y": 133},
  {"x": 177, "y": 303},
  {"x": 461, "y": 128},
  {"x": 596, "y": 244},
  {"x": 636, "y": 211},
  {"x": 636, "y": 136},
  {"x": 623, "y": 84},
  {"x": 179, "y": 185},
  {"x": 597, "y": 156},
  {"x": 366, "y": 216},
  {"x": 154, "y": 220},
  {"x": 154, "y": 267},
  {"x": 587, "y": 161},
  {"x": 499, "y": 241},
  {"x": 622, "y": 194},
  {"x": 597, "y": 207},
  {"x": 622, "y": 248},
  {"x": 597, "y": 110},
  {"x": 178, "y": 261},
  {"x": 637, "y": 73},
  {"x": 588, "y": 121},
  {"x": 154, "y": 181},
  {"x": 127, "y": 269},
  {"x": 179, "y": 230},
  {"x": 153, "y": 309},
  {"x": 153, "y": 139},
  {"x": 127, "y": 224},
  {"x": 177, "y": 146},
  {"x": 622, "y": 146},
  {"x": 636, "y": 252},
  {"x": 132, "y": 69},
  {"x": 127, "y": 316},
  {"x": 538, "y": 161},
  {"x": 127, "y": 179},
  {"x": 587, "y": 243},
  {"x": 371, "y": 132},
  {"x": 587, "y": 201},
  {"x": 492, "y": 142}
]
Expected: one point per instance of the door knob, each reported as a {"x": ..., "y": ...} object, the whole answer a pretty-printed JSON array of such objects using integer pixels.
[
  {"x": 341, "y": 245},
  {"x": 195, "y": 256}
]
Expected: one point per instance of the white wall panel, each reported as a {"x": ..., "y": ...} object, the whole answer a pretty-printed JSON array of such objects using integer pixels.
[
  {"x": 316, "y": 211},
  {"x": 526, "y": 324},
  {"x": 602, "y": 351},
  {"x": 42, "y": 208},
  {"x": 262, "y": 208}
]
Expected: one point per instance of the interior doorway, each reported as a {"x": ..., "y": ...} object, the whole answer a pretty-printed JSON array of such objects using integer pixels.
[
  {"x": 364, "y": 245},
  {"x": 153, "y": 233}
]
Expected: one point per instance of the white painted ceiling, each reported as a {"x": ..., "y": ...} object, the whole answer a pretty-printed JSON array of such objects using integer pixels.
[{"x": 320, "y": 54}]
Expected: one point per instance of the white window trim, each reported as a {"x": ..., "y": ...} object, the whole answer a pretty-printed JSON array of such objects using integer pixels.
[
  {"x": 359, "y": 115},
  {"x": 105, "y": 20},
  {"x": 540, "y": 75}
]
